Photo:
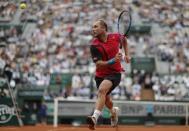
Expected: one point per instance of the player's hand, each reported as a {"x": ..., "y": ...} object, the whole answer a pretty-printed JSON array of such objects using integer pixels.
[
  {"x": 127, "y": 59},
  {"x": 118, "y": 57}
]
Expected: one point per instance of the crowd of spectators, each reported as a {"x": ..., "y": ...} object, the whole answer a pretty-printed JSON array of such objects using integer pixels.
[
  {"x": 60, "y": 41},
  {"x": 7, "y": 10},
  {"x": 171, "y": 88},
  {"x": 166, "y": 13}
]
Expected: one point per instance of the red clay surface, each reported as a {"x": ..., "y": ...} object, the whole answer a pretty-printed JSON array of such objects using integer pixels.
[{"x": 98, "y": 128}]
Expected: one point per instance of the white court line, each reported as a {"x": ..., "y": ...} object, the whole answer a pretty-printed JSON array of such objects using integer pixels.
[{"x": 62, "y": 129}]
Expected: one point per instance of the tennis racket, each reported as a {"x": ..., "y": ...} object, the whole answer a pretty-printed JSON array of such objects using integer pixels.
[
  {"x": 123, "y": 27},
  {"x": 124, "y": 24}
]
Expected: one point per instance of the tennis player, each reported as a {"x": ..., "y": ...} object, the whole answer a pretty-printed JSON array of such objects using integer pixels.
[{"x": 105, "y": 53}]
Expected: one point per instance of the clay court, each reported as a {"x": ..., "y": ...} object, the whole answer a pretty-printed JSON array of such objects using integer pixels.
[{"x": 99, "y": 128}]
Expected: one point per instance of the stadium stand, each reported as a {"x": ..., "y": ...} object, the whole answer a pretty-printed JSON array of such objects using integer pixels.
[{"x": 53, "y": 37}]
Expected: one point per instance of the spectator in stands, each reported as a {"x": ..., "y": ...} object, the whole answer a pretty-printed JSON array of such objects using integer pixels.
[
  {"x": 76, "y": 84},
  {"x": 5, "y": 64},
  {"x": 147, "y": 81},
  {"x": 2, "y": 93},
  {"x": 42, "y": 114},
  {"x": 136, "y": 90}
]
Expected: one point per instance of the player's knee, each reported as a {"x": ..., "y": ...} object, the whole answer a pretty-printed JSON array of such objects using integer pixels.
[{"x": 102, "y": 92}]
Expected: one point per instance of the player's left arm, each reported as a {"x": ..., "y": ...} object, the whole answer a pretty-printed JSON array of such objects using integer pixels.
[{"x": 126, "y": 50}]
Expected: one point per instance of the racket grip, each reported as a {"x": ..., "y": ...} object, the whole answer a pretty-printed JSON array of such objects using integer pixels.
[{"x": 120, "y": 51}]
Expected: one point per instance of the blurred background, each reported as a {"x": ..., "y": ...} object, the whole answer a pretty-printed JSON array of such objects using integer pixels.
[{"x": 45, "y": 49}]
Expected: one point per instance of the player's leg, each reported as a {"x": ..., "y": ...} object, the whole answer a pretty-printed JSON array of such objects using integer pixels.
[
  {"x": 113, "y": 110},
  {"x": 109, "y": 103},
  {"x": 116, "y": 78},
  {"x": 104, "y": 87}
]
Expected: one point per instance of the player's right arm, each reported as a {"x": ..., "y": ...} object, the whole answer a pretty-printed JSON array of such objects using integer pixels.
[{"x": 97, "y": 58}]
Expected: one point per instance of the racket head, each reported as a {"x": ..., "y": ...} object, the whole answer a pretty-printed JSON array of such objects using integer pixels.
[{"x": 124, "y": 23}]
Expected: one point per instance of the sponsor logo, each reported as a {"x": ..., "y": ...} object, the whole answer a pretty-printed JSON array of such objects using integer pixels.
[{"x": 6, "y": 113}]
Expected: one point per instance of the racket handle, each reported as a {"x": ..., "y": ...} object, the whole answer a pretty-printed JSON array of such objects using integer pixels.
[{"x": 120, "y": 51}]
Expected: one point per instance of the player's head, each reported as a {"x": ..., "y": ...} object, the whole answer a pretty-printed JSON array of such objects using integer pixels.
[{"x": 99, "y": 27}]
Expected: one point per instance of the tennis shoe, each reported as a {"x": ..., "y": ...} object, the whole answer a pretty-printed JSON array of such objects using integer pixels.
[
  {"x": 91, "y": 122},
  {"x": 114, "y": 117}
]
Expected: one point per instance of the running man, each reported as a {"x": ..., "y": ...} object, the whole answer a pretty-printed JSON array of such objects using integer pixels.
[{"x": 105, "y": 53}]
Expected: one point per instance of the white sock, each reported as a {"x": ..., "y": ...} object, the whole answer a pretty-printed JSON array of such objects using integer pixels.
[{"x": 96, "y": 114}]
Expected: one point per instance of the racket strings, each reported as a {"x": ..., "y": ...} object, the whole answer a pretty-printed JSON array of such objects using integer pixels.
[{"x": 124, "y": 23}]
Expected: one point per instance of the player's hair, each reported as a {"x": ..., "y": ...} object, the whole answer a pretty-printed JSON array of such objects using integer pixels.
[{"x": 103, "y": 23}]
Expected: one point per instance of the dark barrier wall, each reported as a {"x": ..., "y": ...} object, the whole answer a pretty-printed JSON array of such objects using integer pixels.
[{"x": 7, "y": 112}]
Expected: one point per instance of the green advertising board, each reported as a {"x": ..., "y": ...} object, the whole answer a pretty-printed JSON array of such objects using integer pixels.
[
  {"x": 140, "y": 29},
  {"x": 58, "y": 81},
  {"x": 143, "y": 63},
  {"x": 31, "y": 94},
  {"x": 7, "y": 112}
]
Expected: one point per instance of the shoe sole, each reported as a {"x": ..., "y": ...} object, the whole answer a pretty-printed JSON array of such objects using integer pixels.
[{"x": 91, "y": 123}]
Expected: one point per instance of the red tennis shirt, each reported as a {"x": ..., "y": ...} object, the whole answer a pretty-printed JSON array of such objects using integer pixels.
[{"x": 106, "y": 51}]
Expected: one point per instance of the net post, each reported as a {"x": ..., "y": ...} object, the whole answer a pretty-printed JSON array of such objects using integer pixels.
[{"x": 55, "y": 121}]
